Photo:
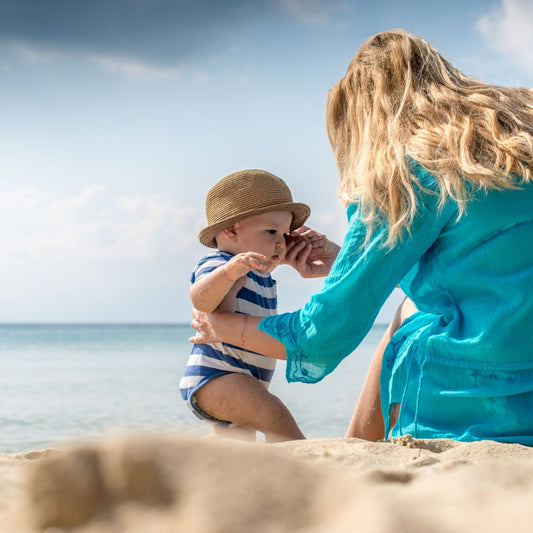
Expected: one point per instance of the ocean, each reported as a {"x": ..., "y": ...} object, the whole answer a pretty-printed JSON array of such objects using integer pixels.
[{"x": 65, "y": 382}]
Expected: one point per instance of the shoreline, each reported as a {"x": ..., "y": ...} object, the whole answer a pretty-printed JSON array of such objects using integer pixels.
[{"x": 139, "y": 483}]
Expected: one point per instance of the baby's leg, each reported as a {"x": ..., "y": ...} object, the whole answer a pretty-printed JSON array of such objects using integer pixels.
[
  {"x": 242, "y": 400},
  {"x": 367, "y": 420}
]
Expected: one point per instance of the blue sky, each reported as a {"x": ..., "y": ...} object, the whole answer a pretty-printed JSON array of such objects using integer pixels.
[{"x": 118, "y": 115}]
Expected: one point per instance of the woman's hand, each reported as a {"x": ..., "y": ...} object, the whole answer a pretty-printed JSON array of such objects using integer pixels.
[
  {"x": 203, "y": 324},
  {"x": 311, "y": 253},
  {"x": 237, "y": 329}
]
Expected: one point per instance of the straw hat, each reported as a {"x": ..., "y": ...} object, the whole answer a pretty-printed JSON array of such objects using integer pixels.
[{"x": 244, "y": 194}]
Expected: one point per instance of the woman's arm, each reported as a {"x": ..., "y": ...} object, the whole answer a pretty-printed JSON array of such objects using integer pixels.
[
  {"x": 237, "y": 329},
  {"x": 334, "y": 321}
]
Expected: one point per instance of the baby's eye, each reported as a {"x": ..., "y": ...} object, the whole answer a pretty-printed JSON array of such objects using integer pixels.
[{"x": 272, "y": 231}]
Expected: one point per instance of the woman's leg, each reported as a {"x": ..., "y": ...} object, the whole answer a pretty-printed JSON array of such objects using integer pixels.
[{"x": 367, "y": 419}]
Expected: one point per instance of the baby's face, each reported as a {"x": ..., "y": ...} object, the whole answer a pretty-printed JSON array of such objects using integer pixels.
[{"x": 264, "y": 234}]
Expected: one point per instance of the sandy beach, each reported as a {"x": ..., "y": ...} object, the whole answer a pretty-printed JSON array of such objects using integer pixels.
[{"x": 177, "y": 483}]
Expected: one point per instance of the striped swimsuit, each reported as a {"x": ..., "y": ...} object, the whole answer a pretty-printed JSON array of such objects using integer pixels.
[{"x": 207, "y": 361}]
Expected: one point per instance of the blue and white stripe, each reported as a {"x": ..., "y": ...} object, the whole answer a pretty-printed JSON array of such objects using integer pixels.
[{"x": 207, "y": 361}]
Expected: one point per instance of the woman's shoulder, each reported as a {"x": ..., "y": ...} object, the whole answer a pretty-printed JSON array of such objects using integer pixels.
[{"x": 425, "y": 180}]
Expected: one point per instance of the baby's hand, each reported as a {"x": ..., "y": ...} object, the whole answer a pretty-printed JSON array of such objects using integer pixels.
[{"x": 241, "y": 264}]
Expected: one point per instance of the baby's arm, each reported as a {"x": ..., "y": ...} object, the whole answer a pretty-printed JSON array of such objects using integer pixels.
[{"x": 208, "y": 292}]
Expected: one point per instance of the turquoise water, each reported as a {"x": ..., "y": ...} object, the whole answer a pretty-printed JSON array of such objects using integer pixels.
[{"x": 60, "y": 383}]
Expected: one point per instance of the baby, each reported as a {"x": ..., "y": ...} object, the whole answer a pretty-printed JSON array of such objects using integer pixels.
[{"x": 249, "y": 213}]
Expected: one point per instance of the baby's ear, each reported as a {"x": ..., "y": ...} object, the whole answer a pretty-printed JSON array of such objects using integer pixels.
[{"x": 231, "y": 232}]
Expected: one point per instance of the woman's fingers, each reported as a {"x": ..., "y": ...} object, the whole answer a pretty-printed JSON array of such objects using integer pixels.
[
  {"x": 301, "y": 259},
  {"x": 292, "y": 253}
]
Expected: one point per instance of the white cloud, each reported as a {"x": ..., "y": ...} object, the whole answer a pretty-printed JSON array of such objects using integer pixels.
[
  {"x": 315, "y": 11},
  {"x": 508, "y": 29},
  {"x": 96, "y": 224},
  {"x": 134, "y": 69},
  {"x": 138, "y": 70},
  {"x": 96, "y": 256}
]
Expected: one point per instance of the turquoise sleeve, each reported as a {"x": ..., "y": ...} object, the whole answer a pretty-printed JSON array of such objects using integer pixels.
[{"x": 333, "y": 322}]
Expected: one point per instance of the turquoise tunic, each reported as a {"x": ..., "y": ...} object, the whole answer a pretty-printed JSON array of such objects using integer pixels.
[{"x": 461, "y": 367}]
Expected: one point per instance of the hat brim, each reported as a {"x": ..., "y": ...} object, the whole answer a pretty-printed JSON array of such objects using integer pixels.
[{"x": 300, "y": 213}]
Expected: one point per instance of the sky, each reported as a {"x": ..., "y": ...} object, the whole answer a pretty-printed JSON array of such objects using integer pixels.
[{"x": 117, "y": 116}]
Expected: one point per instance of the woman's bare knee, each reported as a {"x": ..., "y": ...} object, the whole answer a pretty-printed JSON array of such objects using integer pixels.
[
  {"x": 404, "y": 311},
  {"x": 407, "y": 308}
]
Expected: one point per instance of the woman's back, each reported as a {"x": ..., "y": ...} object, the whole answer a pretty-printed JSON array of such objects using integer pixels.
[
  {"x": 479, "y": 276},
  {"x": 463, "y": 366}
]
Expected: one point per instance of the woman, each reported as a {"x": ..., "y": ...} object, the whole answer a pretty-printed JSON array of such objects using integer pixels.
[{"x": 435, "y": 172}]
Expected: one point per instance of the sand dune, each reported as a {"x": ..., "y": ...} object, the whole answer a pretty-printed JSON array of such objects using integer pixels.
[{"x": 175, "y": 483}]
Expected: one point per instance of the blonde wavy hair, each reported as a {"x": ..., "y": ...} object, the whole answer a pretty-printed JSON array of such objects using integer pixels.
[{"x": 401, "y": 99}]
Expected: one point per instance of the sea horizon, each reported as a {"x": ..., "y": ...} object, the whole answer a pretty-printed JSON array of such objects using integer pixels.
[{"x": 115, "y": 323}]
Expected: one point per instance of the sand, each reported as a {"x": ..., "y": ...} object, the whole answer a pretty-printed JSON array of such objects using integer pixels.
[{"x": 176, "y": 483}]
